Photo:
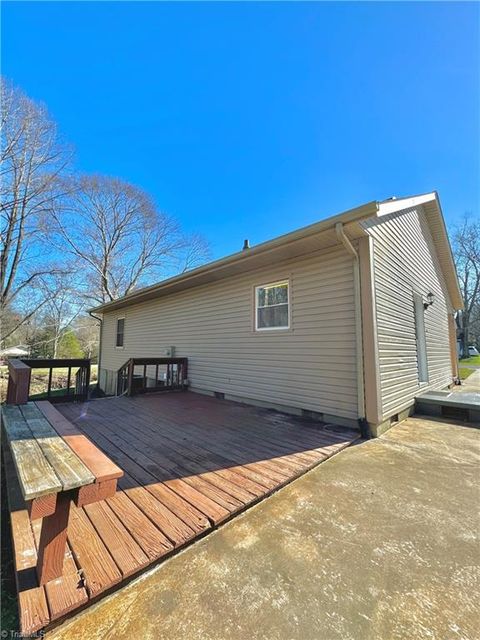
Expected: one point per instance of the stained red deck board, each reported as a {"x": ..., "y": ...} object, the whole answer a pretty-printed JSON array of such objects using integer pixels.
[
  {"x": 128, "y": 555},
  {"x": 187, "y": 512},
  {"x": 67, "y": 593},
  {"x": 194, "y": 519},
  {"x": 147, "y": 535},
  {"x": 99, "y": 569},
  {"x": 215, "y": 454},
  {"x": 190, "y": 494},
  {"x": 172, "y": 527}
]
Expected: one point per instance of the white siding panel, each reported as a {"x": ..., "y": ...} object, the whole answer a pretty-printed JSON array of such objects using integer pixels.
[
  {"x": 405, "y": 262},
  {"x": 311, "y": 366}
]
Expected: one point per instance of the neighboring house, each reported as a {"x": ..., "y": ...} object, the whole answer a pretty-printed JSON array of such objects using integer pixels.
[
  {"x": 13, "y": 352},
  {"x": 347, "y": 319}
]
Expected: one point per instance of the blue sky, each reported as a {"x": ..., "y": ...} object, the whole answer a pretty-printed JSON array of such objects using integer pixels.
[{"x": 248, "y": 120}]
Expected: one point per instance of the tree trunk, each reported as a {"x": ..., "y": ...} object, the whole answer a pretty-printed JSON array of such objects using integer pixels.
[{"x": 465, "y": 340}]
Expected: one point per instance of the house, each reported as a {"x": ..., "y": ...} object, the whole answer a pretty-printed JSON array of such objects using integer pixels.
[
  {"x": 13, "y": 352},
  {"x": 348, "y": 319}
]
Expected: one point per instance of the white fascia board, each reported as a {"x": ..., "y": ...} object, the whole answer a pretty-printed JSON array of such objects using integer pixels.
[{"x": 390, "y": 206}]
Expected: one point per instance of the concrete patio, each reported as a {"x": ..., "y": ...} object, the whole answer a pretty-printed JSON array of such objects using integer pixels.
[{"x": 378, "y": 542}]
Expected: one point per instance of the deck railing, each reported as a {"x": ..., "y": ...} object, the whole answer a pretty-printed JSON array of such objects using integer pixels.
[
  {"x": 19, "y": 379},
  {"x": 142, "y": 375}
]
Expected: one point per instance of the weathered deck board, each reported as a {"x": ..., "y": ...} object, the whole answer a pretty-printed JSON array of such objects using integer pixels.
[
  {"x": 189, "y": 463},
  {"x": 138, "y": 481},
  {"x": 236, "y": 449},
  {"x": 68, "y": 467},
  {"x": 36, "y": 476}
]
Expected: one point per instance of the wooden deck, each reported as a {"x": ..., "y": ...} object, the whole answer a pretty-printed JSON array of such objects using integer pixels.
[{"x": 190, "y": 462}]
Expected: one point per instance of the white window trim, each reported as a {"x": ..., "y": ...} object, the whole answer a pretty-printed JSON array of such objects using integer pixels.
[
  {"x": 256, "y": 307},
  {"x": 116, "y": 332}
]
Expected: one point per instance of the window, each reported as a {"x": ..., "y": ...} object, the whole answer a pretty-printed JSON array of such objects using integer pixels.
[
  {"x": 421, "y": 338},
  {"x": 272, "y": 306},
  {"x": 120, "y": 332}
]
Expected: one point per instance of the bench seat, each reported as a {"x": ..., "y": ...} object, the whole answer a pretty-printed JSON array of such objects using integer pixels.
[{"x": 55, "y": 463}]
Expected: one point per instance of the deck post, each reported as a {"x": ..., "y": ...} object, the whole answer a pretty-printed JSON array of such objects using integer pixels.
[
  {"x": 131, "y": 368},
  {"x": 87, "y": 380},
  {"x": 18, "y": 382},
  {"x": 53, "y": 541}
]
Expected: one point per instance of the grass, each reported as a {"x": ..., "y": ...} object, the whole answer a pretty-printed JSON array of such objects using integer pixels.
[
  {"x": 475, "y": 360},
  {"x": 463, "y": 372},
  {"x": 58, "y": 392}
]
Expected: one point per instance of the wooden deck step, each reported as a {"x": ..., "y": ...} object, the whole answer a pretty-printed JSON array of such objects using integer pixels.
[
  {"x": 67, "y": 593},
  {"x": 148, "y": 536},
  {"x": 127, "y": 553},
  {"x": 99, "y": 569},
  {"x": 32, "y": 605}
]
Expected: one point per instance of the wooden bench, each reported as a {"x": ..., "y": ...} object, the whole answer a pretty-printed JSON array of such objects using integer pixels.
[{"x": 55, "y": 464}]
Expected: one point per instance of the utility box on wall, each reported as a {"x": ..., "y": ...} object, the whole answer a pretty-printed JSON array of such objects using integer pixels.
[{"x": 167, "y": 352}]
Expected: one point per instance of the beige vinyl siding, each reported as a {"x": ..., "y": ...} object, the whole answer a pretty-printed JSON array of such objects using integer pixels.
[
  {"x": 405, "y": 262},
  {"x": 309, "y": 366}
]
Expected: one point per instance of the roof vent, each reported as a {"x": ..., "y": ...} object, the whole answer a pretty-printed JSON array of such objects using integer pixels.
[{"x": 246, "y": 244}]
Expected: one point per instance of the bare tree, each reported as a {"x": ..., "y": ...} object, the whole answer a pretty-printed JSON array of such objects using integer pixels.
[
  {"x": 31, "y": 161},
  {"x": 60, "y": 310},
  {"x": 118, "y": 238},
  {"x": 195, "y": 253},
  {"x": 86, "y": 329},
  {"x": 466, "y": 248}
]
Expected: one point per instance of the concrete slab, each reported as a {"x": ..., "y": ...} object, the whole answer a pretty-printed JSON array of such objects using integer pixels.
[
  {"x": 464, "y": 399},
  {"x": 379, "y": 543}
]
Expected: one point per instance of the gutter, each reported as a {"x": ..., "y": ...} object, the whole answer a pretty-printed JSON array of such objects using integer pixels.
[
  {"x": 342, "y": 237},
  {"x": 99, "y": 346}
]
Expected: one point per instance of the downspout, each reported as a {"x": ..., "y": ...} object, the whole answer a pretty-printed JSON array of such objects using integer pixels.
[
  {"x": 339, "y": 230},
  {"x": 99, "y": 346}
]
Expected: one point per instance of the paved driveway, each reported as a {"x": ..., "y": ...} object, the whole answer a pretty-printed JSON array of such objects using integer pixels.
[{"x": 378, "y": 543}]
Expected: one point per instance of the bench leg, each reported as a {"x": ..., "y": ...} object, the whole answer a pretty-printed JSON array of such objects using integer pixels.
[{"x": 53, "y": 540}]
